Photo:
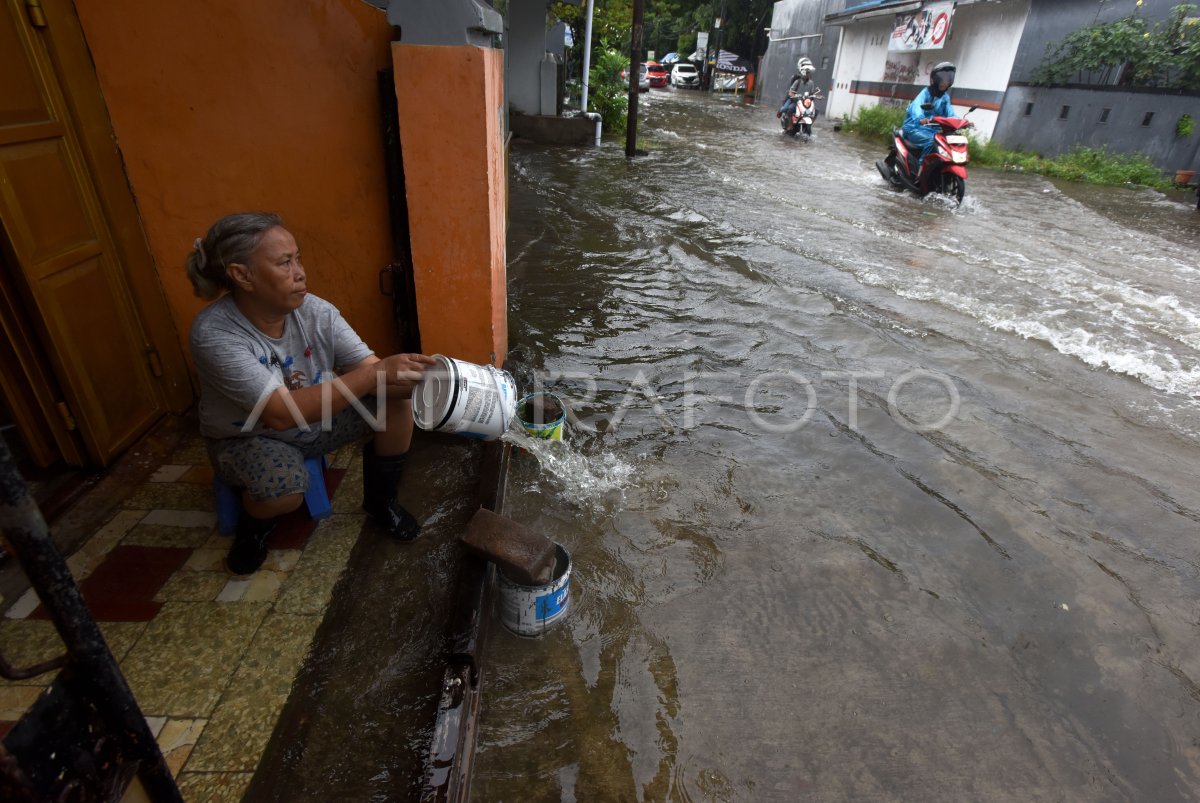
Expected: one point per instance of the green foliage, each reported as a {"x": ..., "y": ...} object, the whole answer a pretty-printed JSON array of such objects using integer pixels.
[
  {"x": 1092, "y": 165},
  {"x": 876, "y": 122},
  {"x": 668, "y": 25},
  {"x": 608, "y": 93},
  {"x": 1165, "y": 55},
  {"x": 1185, "y": 126}
]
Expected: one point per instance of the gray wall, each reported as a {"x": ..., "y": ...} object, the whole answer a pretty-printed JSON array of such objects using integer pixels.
[
  {"x": 798, "y": 18},
  {"x": 1044, "y": 132},
  {"x": 1050, "y": 20}
]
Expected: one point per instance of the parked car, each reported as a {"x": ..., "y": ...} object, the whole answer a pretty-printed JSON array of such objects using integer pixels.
[
  {"x": 685, "y": 74},
  {"x": 643, "y": 78},
  {"x": 659, "y": 74}
]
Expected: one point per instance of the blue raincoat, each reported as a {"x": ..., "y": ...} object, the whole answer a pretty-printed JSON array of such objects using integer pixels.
[{"x": 921, "y": 135}]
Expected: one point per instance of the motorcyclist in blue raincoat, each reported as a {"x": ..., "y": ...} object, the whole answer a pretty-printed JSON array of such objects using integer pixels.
[{"x": 916, "y": 130}]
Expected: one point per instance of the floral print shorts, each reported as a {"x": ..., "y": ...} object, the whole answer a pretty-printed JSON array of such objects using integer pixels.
[{"x": 269, "y": 468}]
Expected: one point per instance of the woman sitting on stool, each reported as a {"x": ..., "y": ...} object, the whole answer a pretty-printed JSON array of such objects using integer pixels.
[{"x": 262, "y": 350}]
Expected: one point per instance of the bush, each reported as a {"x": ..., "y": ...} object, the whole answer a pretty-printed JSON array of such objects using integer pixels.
[
  {"x": 1129, "y": 50},
  {"x": 608, "y": 94},
  {"x": 1093, "y": 165},
  {"x": 877, "y": 121}
]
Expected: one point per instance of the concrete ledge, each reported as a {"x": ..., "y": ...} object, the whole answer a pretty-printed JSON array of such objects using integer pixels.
[{"x": 553, "y": 130}]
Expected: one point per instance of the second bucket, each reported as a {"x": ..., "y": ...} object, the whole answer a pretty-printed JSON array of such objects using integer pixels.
[
  {"x": 537, "y": 415},
  {"x": 531, "y": 610},
  {"x": 475, "y": 401}
]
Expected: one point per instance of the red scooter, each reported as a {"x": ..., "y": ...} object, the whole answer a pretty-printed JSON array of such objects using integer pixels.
[{"x": 944, "y": 169}]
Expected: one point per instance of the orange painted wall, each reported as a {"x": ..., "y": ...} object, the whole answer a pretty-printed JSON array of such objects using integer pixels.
[
  {"x": 229, "y": 105},
  {"x": 453, "y": 143}
]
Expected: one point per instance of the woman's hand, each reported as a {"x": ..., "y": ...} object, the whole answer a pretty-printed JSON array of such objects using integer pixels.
[{"x": 402, "y": 372}]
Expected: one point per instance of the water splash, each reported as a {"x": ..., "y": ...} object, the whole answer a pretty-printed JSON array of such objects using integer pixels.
[{"x": 593, "y": 482}]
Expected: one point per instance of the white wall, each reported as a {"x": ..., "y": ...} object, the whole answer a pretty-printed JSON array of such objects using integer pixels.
[
  {"x": 983, "y": 43},
  {"x": 523, "y": 51}
]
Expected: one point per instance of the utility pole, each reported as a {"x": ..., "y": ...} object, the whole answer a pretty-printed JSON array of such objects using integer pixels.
[
  {"x": 635, "y": 68},
  {"x": 717, "y": 52},
  {"x": 587, "y": 57}
]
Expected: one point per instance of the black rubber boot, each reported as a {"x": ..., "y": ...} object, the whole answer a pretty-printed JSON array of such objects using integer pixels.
[
  {"x": 249, "y": 548},
  {"x": 381, "y": 476}
]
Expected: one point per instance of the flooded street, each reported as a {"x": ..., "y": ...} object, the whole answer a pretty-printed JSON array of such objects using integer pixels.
[{"x": 876, "y": 499}]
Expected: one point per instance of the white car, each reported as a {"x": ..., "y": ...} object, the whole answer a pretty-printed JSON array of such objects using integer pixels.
[
  {"x": 643, "y": 78},
  {"x": 685, "y": 74}
]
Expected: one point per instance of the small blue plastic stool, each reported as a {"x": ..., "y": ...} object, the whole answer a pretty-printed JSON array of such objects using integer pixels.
[{"x": 316, "y": 498}]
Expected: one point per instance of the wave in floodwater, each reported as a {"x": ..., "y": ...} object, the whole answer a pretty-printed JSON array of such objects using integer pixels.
[
  {"x": 1021, "y": 255},
  {"x": 594, "y": 482}
]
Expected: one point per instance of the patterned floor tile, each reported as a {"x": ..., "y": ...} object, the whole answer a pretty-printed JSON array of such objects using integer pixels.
[
  {"x": 171, "y": 496},
  {"x": 182, "y": 663},
  {"x": 123, "y": 587},
  {"x": 168, "y": 473},
  {"x": 310, "y": 585},
  {"x": 181, "y": 518},
  {"x": 16, "y": 700},
  {"x": 242, "y": 723},
  {"x": 214, "y": 787},
  {"x": 192, "y": 586},
  {"x": 177, "y": 739},
  {"x": 26, "y": 642},
  {"x": 199, "y": 475},
  {"x": 194, "y": 454},
  {"x": 234, "y": 589},
  {"x": 209, "y": 559},
  {"x": 167, "y": 536}
]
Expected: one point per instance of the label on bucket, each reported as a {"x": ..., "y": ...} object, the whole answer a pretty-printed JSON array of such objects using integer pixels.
[
  {"x": 548, "y": 605},
  {"x": 475, "y": 401}
]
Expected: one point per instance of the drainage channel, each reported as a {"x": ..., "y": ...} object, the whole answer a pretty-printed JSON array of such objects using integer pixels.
[{"x": 386, "y": 703}]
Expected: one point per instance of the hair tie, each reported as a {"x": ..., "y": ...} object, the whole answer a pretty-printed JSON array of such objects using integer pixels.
[{"x": 198, "y": 246}]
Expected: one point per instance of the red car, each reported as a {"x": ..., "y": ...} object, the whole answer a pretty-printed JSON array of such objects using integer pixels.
[{"x": 658, "y": 74}]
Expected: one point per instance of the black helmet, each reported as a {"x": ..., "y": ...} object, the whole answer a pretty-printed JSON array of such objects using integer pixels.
[{"x": 941, "y": 72}]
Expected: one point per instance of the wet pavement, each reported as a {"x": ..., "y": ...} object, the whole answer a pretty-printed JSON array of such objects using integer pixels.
[
  {"x": 971, "y": 574},
  {"x": 209, "y": 657}
]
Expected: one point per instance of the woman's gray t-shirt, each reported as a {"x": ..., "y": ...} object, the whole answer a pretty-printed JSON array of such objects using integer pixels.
[{"x": 239, "y": 365}]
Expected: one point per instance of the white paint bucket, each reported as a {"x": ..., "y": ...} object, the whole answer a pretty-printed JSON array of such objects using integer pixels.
[
  {"x": 531, "y": 610},
  {"x": 475, "y": 401}
]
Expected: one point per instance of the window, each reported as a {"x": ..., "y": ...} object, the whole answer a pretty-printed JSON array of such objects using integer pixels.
[
  {"x": 1064, "y": 112},
  {"x": 824, "y": 62},
  {"x": 1104, "y": 116},
  {"x": 1146, "y": 120},
  {"x": 1028, "y": 109}
]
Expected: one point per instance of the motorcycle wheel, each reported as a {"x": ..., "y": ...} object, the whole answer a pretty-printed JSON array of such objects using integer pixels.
[
  {"x": 893, "y": 179},
  {"x": 807, "y": 129},
  {"x": 954, "y": 186}
]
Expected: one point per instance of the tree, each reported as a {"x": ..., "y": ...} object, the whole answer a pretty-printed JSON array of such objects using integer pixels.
[{"x": 1129, "y": 49}]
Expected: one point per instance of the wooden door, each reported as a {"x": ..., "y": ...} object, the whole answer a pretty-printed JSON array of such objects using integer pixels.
[{"x": 65, "y": 266}]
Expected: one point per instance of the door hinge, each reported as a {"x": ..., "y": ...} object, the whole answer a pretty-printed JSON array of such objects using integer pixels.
[
  {"x": 153, "y": 360},
  {"x": 64, "y": 412},
  {"x": 37, "y": 15}
]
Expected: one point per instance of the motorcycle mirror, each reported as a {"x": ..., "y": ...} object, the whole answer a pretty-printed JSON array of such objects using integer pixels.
[{"x": 973, "y": 108}]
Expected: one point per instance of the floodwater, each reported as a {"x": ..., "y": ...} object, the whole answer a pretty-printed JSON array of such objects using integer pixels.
[{"x": 874, "y": 498}]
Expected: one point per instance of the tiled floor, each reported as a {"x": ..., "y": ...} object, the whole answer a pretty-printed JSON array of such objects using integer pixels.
[{"x": 209, "y": 656}]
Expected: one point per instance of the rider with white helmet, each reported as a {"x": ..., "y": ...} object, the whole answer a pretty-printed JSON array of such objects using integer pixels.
[{"x": 802, "y": 82}]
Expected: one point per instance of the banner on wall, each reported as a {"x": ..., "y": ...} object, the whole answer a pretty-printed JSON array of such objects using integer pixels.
[{"x": 926, "y": 29}]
